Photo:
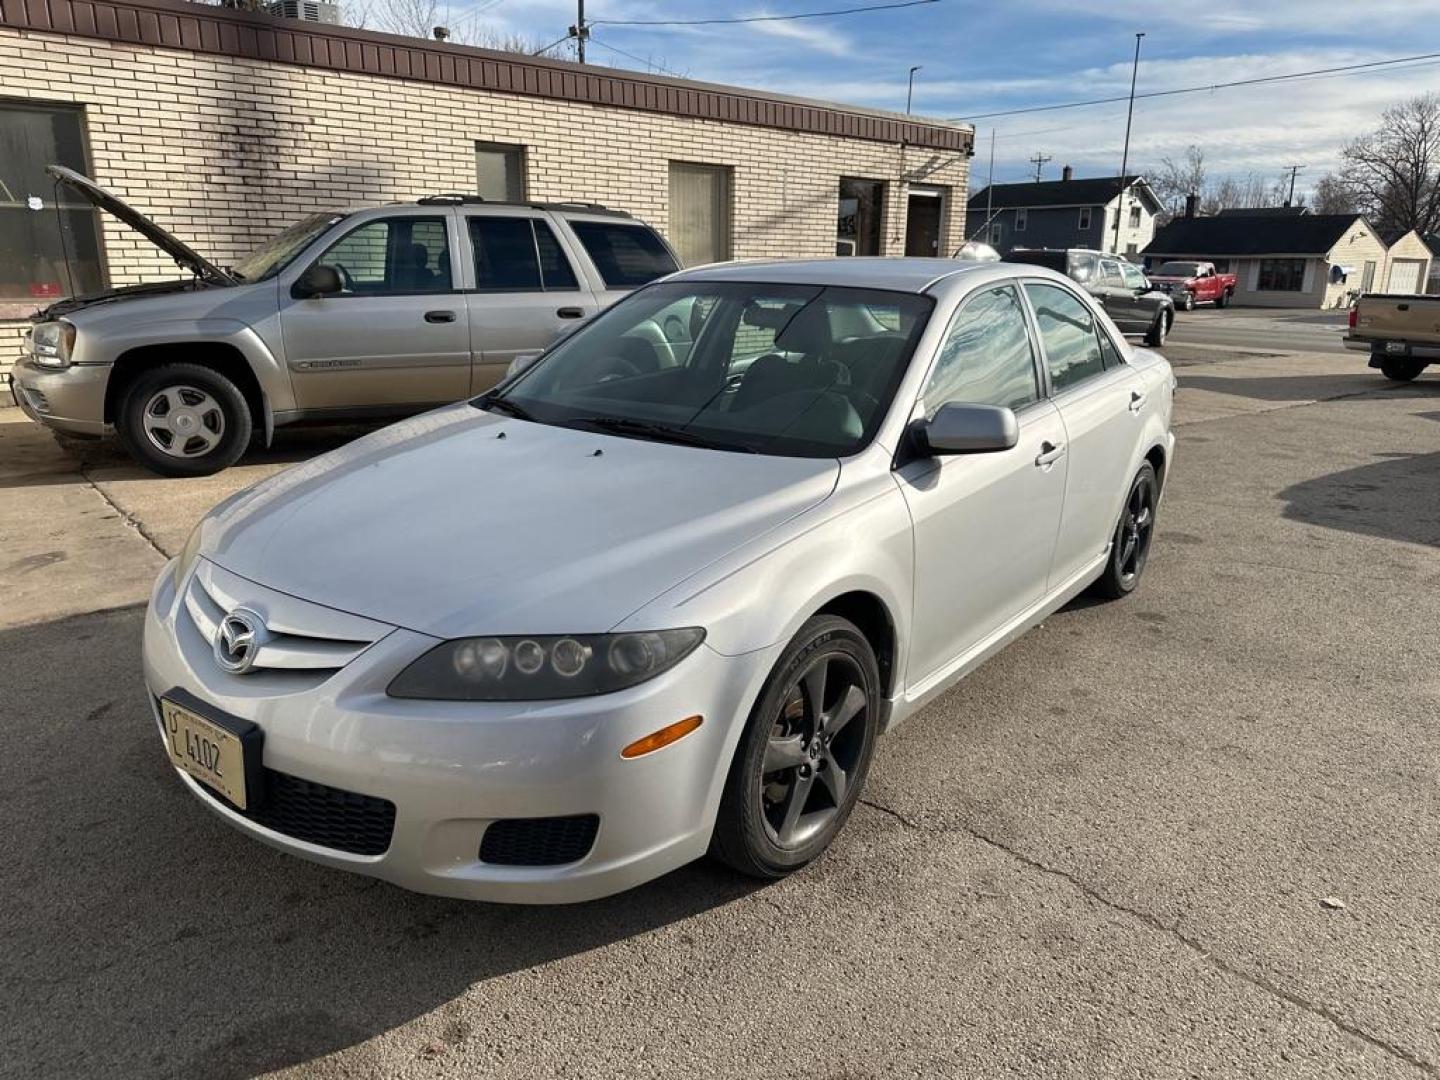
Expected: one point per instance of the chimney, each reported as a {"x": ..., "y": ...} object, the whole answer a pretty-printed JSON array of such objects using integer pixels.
[
  {"x": 1192, "y": 203},
  {"x": 441, "y": 32},
  {"x": 1067, "y": 173}
]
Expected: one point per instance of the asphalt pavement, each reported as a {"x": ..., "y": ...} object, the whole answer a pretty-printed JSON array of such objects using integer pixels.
[
  {"x": 1189, "y": 834},
  {"x": 1262, "y": 329}
]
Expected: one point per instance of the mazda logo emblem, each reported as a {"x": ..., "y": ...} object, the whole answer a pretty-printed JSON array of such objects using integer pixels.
[{"x": 238, "y": 640}]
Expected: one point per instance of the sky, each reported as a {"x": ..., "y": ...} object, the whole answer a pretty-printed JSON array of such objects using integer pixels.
[{"x": 984, "y": 57}]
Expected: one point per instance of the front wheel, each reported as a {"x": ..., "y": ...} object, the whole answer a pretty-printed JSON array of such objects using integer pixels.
[
  {"x": 805, "y": 753},
  {"x": 1130, "y": 546},
  {"x": 1188, "y": 301},
  {"x": 184, "y": 420},
  {"x": 1155, "y": 336},
  {"x": 1401, "y": 369}
]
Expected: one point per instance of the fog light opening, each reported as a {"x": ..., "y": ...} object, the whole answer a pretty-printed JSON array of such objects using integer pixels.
[{"x": 658, "y": 740}]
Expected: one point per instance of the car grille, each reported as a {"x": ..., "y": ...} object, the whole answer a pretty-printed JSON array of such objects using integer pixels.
[
  {"x": 550, "y": 841},
  {"x": 319, "y": 814}
]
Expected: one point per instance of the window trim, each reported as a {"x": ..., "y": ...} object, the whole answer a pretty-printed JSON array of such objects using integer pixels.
[
  {"x": 447, "y": 218},
  {"x": 534, "y": 246},
  {"x": 1090, "y": 382},
  {"x": 1087, "y": 218},
  {"x": 1022, "y": 218}
]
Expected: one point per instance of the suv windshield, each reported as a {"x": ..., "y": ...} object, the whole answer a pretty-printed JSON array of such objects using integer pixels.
[
  {"x": 276, "y": 253},
  {"x": 797, "y": 370},
  {"x": 1178, "y": 269}
]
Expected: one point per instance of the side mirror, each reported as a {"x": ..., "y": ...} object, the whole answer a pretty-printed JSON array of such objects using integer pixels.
[
  {"x": 523, "y": 362},
  {"x": 319, "y": 280},
  {"x": 964, "y": 428}
]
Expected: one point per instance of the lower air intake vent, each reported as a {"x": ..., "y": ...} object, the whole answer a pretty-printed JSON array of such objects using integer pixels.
[
  {"x": 318, "y": 814},
  {"x": 546, "y": 841}
]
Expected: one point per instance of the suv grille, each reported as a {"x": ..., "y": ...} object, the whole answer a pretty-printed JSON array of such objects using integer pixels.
[
  {"x": 319, "y": 814},
  {"x": 546, "y": 841}
]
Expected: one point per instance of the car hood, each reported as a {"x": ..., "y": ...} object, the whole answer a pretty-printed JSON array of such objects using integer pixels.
[
  {"x": 182, "y": 253},
  {"x": 463, "y": 522}
]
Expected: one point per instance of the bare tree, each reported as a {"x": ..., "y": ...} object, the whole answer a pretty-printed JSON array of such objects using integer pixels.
[
  {"x": 1173, "y": 181},
  {"x": 1393, "y": 173},
  {"x": 1332, "y": 196},
  {"x": 419, "y": 18}
]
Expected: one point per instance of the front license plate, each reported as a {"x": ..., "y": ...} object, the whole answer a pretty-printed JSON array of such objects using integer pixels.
[
  {"x": 206, "y": 751},
  {"x": 1395, "y": 347}
]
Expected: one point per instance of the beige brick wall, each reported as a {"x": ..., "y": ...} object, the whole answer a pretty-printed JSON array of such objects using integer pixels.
[{"x": 224, "y": 152}]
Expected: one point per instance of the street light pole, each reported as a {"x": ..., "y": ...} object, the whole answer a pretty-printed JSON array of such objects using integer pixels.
[
  {"x": 1125, "y": 155},
  {"x": 910, "y": 91}
]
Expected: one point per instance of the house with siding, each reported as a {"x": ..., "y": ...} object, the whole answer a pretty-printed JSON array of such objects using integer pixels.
[
  {"x": 226, "y": 126},
  {"x": 1066, "y": 213},
  {"x": 1291, "y": 259}
]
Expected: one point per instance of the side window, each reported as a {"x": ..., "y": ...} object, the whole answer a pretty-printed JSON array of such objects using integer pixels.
[
  {"x": 1134, "y": 279},
  {"x": 1108, "y": 352},
  {"x": 627, "y": 256},
  {"x": 1083, "y": 267},
  {"x": 1068, "y": 332},
  {"x": 1110, "y": 271},
  {"x": 987, "y": 357},
  {"x": 518, "y": 254},
  {"x": 393, "y": 255}
]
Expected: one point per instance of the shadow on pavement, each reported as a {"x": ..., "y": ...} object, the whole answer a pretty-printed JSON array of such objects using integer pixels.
[
  {"x": 147, "y": 938},
  {"x": 1307, "y": 387},
  {"x": 1396, "y": 497}
]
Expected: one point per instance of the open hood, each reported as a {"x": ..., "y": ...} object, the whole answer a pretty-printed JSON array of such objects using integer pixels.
[{"x": 180, "y": 252}]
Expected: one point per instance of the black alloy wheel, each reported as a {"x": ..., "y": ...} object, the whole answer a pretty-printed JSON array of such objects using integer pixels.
[
  {"x": 805, "y": 753},
  {"x": 1130, "y": 548}
]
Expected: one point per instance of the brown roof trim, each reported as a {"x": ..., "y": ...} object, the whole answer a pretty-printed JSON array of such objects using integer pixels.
[{"x": 202, "y": 28}]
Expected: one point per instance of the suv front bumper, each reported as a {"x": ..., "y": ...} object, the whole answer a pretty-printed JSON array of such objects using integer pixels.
[{"x": 69, "y": 399}]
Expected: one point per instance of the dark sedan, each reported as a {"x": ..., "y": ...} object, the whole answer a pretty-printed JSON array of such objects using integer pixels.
[{"x": 1135, "y": 306}]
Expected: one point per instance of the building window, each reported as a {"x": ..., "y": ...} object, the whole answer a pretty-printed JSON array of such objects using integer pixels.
[
  {"x": 996, "y": 232},
  {"x": 1020, "y": 219},
  {"x": 1134, "y": 217},
  {"x": 1281, "y": 275},
  {"x": 44, "y": 225},
  {"x": 700, "y": 212},
  {"x": 500, "y": 172},
  {"x": 862, "y": 210},
  {"x": 1084, "y": 219}
]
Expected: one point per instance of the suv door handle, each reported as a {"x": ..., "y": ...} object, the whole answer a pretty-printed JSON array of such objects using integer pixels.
[
  {"x": 570, "y": 312},
  {"x": 1137, "y": 401},
  {"x": 1049, "y": 454},
  {"x": 439, "y": 316}
]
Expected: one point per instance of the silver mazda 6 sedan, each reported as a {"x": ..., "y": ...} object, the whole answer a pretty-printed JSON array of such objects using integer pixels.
[{"x": 659, "y": 593}]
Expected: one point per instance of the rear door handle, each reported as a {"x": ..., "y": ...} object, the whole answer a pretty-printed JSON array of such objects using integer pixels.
[
  {"x": 570, "y": 312},
  {"x": 1137, "y": 401},
  {"x": 439, "y": 316},
  {"x": 1049, "y": 454}
]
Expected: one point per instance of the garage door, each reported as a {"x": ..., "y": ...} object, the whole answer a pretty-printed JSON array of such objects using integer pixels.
[{"x": 1405, "y": 276}]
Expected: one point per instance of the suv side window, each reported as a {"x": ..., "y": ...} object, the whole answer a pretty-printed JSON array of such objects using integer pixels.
[
  {"x": 393, "y": 256},
  {"x": 1134, "y": 279},
  {"x": 517, "y": 254},
  {"x": 1069, "y": 334},
  {"x": 987, "y": 357},
  {"x": 1111, "y": 271},
  {"x": 627, "y": 256},
  {"x": 1083, "y": 267}
]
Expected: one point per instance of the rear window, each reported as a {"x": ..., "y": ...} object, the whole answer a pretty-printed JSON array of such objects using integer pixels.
[
  {"x": 1178, "y": 269},
  {"x": 627, "y": 256}
]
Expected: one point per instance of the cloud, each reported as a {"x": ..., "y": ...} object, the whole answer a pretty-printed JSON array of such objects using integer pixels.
[{"x": 816, "y": 36}]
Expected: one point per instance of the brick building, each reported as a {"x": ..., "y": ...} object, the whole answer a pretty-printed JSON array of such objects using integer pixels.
[{"x": 225, "y": 126}]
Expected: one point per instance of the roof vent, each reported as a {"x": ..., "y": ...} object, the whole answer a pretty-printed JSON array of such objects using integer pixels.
[
  {"x": 1067, "y": 173},
  {"x": 306, "y": 10}
]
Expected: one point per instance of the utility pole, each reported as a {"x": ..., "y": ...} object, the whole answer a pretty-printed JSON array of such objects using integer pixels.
[
  {"x": 1293, "y": 170},
  {"x": 1125, "y": 154},
  {"x": 580, "y": 32},
  {"x": 1039, "y": 161},
  {"x": 910, "y": 91}
]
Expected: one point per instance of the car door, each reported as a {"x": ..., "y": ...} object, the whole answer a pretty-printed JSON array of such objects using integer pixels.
[
  {"x": 1144, "y": 301},
  {"x": 1100, "y": 399},
  {"x": 395, "y": 334},
  {"x": 984, "y": 524},
  {"x": 1117, "y": 299},
  {"x": 526, "y": 291}
]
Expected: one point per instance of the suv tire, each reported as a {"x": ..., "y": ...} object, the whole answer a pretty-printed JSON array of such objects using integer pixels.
[
  {"x": 184, "y": 420},
  {"x": 1401, "y": 369},
  {"x": 1155, "y": 336}
]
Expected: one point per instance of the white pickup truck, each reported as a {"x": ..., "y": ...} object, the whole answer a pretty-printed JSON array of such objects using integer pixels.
[{"x": 1400, "y": 332}]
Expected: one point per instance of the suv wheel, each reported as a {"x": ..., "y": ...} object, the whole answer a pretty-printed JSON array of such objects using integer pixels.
[
  {"x": 1401, "y": 369},
  {"x": 184, "y": 420},
  {"x": 1155, "y": 336}
]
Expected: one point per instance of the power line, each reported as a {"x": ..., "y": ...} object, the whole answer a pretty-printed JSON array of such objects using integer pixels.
[
  {"x": 632, "y": 56},
  {"x": 547, "y": 48},
  {"x": 1202, "y": 89},
  {"x": 762, "y": 18}
]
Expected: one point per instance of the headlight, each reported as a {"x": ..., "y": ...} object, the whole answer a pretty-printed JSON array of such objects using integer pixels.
[
  {"x": 51, "y": 343},
  {"x": 541, "y": 667},
  {"x": 187, "y": 556}
]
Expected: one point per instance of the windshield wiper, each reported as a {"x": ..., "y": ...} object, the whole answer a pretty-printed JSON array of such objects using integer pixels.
[
  {"x": 648, "y": 429},
  {"x": 506, "y": 406}
]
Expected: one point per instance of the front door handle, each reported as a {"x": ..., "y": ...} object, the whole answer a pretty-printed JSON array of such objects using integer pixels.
[
  {"x": 1049, "y": 454},
  {"x": 1137, "y": 401},
  {"x": 439, "y": 316},
  {"x": 570, "y": 312}
]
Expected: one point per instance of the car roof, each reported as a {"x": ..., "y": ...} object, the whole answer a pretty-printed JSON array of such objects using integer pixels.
[{"x": 861, "y": 272}]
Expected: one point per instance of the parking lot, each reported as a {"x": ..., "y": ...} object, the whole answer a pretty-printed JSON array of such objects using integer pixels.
[{"x": 1193, "y": 833}]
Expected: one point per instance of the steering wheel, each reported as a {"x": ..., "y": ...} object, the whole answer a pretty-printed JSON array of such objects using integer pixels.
[{"x": 346, "y": 281}]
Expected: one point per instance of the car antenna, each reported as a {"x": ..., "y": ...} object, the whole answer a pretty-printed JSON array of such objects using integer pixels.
[{"x": 64, "y": 247}]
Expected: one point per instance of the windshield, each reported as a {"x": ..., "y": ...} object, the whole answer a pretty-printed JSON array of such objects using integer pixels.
[
  {"x": 796, "y": 370},
  {"x": 1178, "y": 269},
  {"x": 276, "y": 253}
]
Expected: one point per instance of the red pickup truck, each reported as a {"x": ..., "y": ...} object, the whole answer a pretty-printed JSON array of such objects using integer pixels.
[{"x": 1191, "y": 283}]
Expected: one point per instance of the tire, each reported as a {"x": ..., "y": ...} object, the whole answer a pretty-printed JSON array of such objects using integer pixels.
[
  {"x": 761, "y": 830},
  {"x": 1189, "y": 301},
  {"x": 184, "y": 420},
  {"x": 1155, "y": 336},
  {"x": 1223, "y": 300},
  {"x": 1130, "y": 546},
  {"x": 1401, "y": 369}
]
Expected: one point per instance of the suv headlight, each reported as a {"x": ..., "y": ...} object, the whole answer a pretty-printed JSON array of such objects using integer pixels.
[
  {"x": 540, "y": 667},
  {"x": 51, "y": 343}
]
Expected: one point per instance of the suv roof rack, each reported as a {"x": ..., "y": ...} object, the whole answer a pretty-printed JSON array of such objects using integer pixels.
[{"x": 456, "y": 198}]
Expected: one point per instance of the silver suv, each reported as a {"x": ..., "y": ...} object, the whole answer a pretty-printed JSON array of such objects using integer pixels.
[{"x": 380, "y": 311}]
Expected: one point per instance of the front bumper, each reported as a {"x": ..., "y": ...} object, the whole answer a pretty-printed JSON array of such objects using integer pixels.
[
  {"x": 453, "y": 768},
  {"x": 69, "y": 399}
]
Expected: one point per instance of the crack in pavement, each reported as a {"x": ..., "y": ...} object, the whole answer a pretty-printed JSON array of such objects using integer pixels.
[
  {"x": 125, "y": 515},
  {"x": 1219, "y": 963}
]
